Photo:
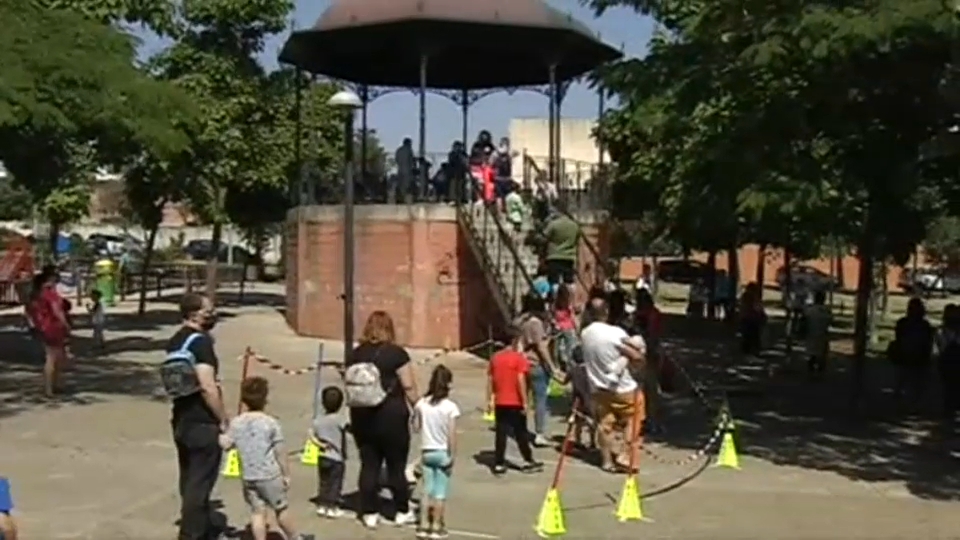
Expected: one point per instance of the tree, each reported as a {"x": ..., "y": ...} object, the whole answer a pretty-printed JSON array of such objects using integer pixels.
[
  {"x": 243, "y": 138},
  {"x": 942, "y": 244},
  {"x": 15, "y": 201},
  {"x": 152, "y": 182},
  {"x": 792, "y": 121},
  {"x": 71, "y": 94}
]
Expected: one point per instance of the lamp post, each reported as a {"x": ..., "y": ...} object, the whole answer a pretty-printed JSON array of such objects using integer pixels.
[{"x": 347, "y": 102}]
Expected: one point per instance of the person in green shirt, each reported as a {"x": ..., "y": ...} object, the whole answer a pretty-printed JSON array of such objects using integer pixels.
[{"x": 562, "y": 236}]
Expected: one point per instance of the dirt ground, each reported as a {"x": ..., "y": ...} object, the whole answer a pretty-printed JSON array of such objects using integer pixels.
[{"x": 99, "y": 464}]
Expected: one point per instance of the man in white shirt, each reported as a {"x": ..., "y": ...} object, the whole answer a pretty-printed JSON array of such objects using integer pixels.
[{"x": 607, "y": 357}]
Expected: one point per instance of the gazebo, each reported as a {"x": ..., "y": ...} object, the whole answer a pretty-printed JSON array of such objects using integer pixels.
[{"x": 375, "y": 47}]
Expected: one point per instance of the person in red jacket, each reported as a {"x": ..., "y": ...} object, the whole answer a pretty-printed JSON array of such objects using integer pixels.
[{"x": 50, "y": 321}]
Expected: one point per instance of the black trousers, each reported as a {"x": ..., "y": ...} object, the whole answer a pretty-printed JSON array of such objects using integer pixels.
[
  {"x": 387, "y": 445},
  {"x": 510, "y": 420},
  {"x": 198, "y": 458},
  {"x": 331, "y": 482}
]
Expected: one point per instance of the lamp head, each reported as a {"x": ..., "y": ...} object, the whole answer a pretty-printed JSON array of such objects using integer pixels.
[{"x": 345, "y": 99}]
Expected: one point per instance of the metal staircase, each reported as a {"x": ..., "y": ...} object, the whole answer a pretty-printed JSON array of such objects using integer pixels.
[{"x": 507, "y": 266}]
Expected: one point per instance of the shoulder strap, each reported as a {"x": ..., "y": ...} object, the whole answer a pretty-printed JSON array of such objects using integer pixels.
[{"x": 188, "y": 342}]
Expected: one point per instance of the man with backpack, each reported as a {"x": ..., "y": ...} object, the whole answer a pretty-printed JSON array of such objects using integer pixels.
[{"x": 189, "y": 375}]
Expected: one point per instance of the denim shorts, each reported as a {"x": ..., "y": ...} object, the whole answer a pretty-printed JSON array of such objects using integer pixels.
[{"x": 436, "y": 474}]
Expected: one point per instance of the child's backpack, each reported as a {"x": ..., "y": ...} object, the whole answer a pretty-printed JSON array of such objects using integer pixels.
[
  {"x": 178, "y": 371},
  {"x": 362, "y": 387}
]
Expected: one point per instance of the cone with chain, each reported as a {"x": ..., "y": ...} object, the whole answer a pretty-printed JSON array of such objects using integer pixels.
[
  {"x": 629, "y": 507},
  {"x": 550, "y": 522},
  {"x": 310, "y": 455},
  {"x": 727, "y": 457},
  {"x": 231, "y": 466}
]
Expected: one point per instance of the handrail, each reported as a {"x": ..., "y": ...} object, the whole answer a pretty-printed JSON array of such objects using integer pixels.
[
  {"x": 602, "y": 270},
  {"x": 504, "y": 239}
]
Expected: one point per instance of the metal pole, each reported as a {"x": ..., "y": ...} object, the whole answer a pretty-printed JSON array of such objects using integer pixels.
[
  {"x": 364, "y": 96},
  {"x": 551, "y": 127},
  {"x": 601, "y": 110},
  {"x": 561, "y": 169},
  {"x": 295, "y": 191},
  {"x": 422, "y": 188},
  {"x": 348, "y": 241},
  {"x": 465, "y": 113}
]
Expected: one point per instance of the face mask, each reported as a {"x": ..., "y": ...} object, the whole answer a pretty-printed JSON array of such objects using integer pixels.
[{"x": 209, "y": 322}]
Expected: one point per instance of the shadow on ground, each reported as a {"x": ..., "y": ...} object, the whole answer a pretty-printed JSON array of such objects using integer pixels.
[
  {"x": 89, "y": 380},
  {"x": 786, "y": 419}
]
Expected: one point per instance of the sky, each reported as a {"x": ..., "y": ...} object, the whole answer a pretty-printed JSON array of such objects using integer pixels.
[{"x": 395, "y": 116}]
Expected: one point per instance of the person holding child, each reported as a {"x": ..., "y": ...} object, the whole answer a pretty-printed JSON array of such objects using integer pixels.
[
  {"x": 609, "y": 353},
  {"x": 435, "y": 418},
  {"x": 329, "y": 433}
]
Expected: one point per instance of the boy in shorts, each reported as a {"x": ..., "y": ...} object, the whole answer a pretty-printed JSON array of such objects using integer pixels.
[{"x": 266, "y": 472}]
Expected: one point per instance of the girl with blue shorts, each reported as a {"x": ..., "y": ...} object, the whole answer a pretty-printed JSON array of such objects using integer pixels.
[{"x": 435, "y": 417}]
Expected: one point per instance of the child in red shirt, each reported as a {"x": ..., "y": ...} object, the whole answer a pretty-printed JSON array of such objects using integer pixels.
[{"x": 507, "y": 396}]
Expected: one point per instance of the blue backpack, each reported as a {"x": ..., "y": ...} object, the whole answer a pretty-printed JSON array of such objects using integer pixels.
[{"x": 178, "y": 371}]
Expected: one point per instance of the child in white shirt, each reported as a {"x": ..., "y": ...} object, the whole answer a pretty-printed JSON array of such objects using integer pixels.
[
  {"x": 435, "y": 417},
  {"x": 98, "y": 319}
]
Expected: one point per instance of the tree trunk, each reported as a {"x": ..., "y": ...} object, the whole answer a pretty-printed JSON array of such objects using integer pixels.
[
  {"x": 712, "y": 283},
  {"x": 733, "y": 269},
  {"x": 788, "y": 297},
  {"x": 213, "y": 262},
  {"x": 861, "y": 314},
  {"x": 53, "y": 234},
  {"x": 144, "y": 269},
  {"x": 760, "y": 275},
  {"x": 841, "y": 282}
]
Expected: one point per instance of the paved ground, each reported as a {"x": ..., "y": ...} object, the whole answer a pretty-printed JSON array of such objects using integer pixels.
[{"x": 100, "y": 465}]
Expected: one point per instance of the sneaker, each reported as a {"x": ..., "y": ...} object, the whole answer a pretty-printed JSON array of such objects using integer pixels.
[
  {"x": 322, "y": 511},
  {"x": 303, "y": 536},
  {"x": 439, "y": 533},
  {"x": 532, "y": 467},
  {"x": 405, "y": 518},
  {"x": 540, "y": 441},
  {"x": 371, "y": 521},
  {"x": 334, "y": 513},
  {"x": 499, "y": 469},
  {"x": 424, "y": 532}
]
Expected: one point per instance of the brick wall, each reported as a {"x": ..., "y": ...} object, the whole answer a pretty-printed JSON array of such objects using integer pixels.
[{"x": 411, "y": 261}]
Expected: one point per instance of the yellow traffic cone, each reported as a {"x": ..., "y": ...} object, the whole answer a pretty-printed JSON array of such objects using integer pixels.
[
  {"x": 629, "y": 508},
  {"x": 231, "y": 469},
  {"x": 310, "y": 455},
  {"x": 727, "y": 457},
  {"x": 550, "y": 522}
]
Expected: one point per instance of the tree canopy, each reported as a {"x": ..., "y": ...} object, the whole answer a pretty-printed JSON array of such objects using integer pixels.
[{"x": 793, "y": 122}]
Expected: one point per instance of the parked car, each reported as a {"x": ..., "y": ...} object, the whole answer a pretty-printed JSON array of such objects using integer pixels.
[
  {"x": 199, "y": 250},
  {"x": 681, "y": 271},
  {"x": 928, "y": 280},
  {"x": 807, "y": 277}
]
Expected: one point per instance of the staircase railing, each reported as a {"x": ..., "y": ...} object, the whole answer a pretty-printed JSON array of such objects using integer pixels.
[
  {"x": 598, "y": 265},
  {"x": 497, "y": 254}
]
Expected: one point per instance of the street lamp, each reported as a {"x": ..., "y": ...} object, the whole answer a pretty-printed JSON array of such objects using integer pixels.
[{"x": 347, "y": 102}]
